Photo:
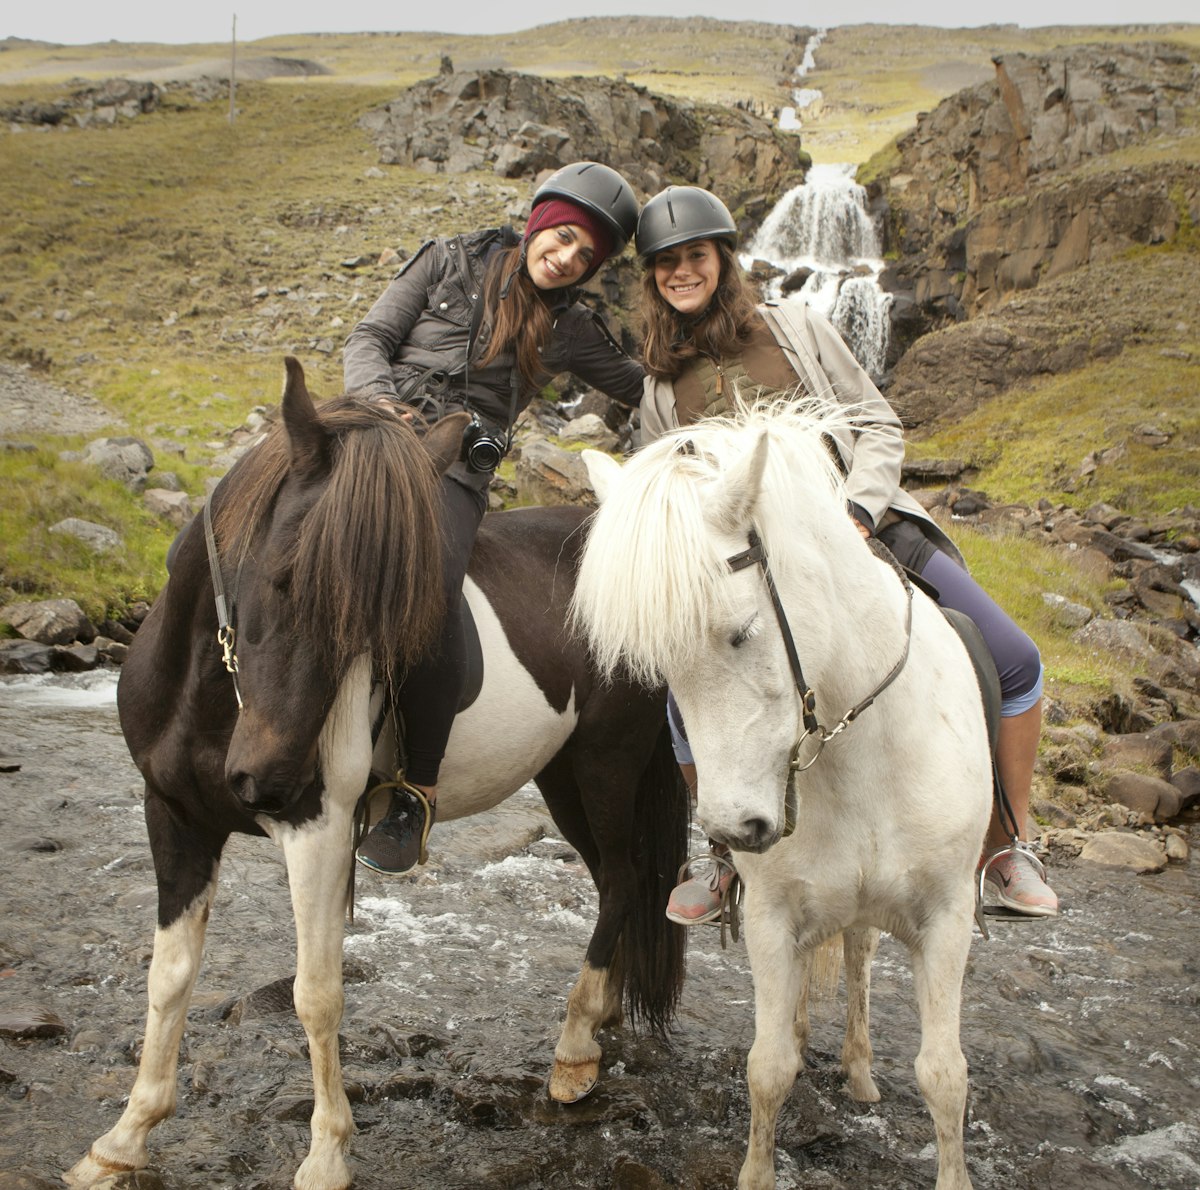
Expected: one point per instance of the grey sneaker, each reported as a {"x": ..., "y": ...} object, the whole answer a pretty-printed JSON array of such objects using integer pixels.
[
  {"x": 699, "y": 898},
  {"x": 1018, "y": 882}
]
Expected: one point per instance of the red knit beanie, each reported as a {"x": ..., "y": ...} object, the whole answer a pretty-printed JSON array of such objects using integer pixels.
[{"x": 554, "y": 212}]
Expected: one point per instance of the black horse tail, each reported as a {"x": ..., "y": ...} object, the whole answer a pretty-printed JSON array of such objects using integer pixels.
[{"x": 650, "y": 955}]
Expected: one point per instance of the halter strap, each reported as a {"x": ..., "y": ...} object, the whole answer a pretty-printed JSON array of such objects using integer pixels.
[
  {"x": 226, "y": 633},
  {"x": 757, "y": 555}
]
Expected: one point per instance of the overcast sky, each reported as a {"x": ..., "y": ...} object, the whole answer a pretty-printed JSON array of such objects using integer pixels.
[{"x": 86, "y": 21}]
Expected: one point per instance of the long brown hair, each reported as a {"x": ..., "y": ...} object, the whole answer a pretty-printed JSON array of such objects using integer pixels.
[
  {"x": 520, "y": 321},
  {"x": 671, "y": 341}
]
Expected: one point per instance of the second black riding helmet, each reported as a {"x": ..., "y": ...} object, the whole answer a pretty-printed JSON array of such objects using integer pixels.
[
  {"x": 682, "y": 213},
  {"x": 599, "y": 189}
]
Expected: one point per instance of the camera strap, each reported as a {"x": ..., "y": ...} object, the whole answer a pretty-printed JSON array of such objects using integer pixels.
[{"x": 514, "y": 377}]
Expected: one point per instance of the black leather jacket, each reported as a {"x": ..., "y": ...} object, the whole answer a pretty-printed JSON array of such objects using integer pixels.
[{"x": 423, "y": 321}]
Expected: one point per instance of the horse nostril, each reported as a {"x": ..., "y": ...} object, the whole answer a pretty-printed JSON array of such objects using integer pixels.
[
  {"x": 757, "y": 835},
  {"x": 244, "y": 787}
]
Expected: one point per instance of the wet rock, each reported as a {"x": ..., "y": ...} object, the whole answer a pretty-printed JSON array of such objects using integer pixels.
[
  {"x": 24, "y": 657},
  {"x": 35, "y": 843},
  {"x": 76, "y": 658},
  {"x": 1120, "y": 849},
  {"x": 28, "y": 1021},
  {"x": 268, "y": 1000},
  {"x": 631, "y": 1174},
  {"x": 1176, "y": 848}
]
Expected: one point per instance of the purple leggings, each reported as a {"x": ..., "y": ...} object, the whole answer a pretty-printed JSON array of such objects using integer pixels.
[{"x": 1016, "y": 656}]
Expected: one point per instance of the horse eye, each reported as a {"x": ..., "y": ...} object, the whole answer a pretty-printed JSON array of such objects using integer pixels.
[{"x": 748, "y": 631}]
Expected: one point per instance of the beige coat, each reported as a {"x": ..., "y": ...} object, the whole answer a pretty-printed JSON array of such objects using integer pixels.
[{"x": 872, "y": 452}]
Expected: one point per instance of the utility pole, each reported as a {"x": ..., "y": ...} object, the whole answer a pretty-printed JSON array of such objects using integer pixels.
[{"x": 233, "y": 71}]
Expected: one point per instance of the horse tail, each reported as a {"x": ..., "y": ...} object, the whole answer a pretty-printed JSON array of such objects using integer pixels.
[{"x": 650, "y": 955}]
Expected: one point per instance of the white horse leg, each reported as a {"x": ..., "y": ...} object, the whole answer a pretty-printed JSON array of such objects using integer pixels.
[
  {"x": 859, "y": 949},
  {"x": 173, "y": 969},
  {"x": 938, "y": 967},
  {"x": 801, "y": 1026},
  {"x": 319, "y": 860},
  {"x": 774, "y": 1058},
  {"x": 577, "y": 1056}
]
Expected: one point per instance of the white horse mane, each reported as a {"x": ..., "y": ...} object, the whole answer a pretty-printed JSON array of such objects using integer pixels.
[{"x": 653, "y": 578}]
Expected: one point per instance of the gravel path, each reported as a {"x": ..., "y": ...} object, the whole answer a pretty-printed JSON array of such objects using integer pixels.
[{"x": 29, "y": 405}]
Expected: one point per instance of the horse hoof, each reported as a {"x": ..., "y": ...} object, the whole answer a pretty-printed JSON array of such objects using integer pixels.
[
  {"x": 89, "y": 1171},
  {"x": 572, "y": 1081}
]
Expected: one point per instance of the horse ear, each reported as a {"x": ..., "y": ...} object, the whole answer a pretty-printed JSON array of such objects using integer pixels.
[
  {"x": 602, "y": 470},
  {"x": 308, "y": 443},
  {"x": 443, "y": 440},
  {"x": 737, "y": 493}
]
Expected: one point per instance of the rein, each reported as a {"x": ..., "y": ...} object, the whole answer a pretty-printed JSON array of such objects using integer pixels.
[
  {"x": 757, "y": 555},
  {"x": 226, "y": 632}
]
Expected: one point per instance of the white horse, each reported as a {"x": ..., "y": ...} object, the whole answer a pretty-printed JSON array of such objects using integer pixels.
[{"x": 890, "y": 798}]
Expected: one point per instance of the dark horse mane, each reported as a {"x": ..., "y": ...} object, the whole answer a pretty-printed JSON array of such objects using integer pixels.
[{"x": 362, "y": 567}]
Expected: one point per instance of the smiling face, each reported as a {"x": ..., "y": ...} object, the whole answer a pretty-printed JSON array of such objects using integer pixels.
[
  {"x": 559, "y": 256},
  {"x": 687, "y": 275}
]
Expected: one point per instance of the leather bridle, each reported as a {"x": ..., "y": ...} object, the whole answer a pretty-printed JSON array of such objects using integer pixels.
[{"x": 756, "y": 554}]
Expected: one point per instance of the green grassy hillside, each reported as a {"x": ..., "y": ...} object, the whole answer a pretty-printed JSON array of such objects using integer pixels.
[{"x": 166, "y": 264}]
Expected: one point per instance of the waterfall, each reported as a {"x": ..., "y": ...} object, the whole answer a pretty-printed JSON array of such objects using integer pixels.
[
  {"x": 824, "y": 226},
  {"x": 802, "y": 97}
]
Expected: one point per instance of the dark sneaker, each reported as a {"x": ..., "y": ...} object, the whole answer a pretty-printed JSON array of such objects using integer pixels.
[
  {"x": 1018, "y": 880},
  {"x": 397, "y": 841}
]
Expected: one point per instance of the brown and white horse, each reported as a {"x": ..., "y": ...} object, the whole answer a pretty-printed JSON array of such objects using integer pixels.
[{"x": 327, "y": 567}]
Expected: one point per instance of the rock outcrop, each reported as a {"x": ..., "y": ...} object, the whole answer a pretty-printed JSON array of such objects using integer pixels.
[
  {"x": 521, "y": 125},
  {"x": 1013, "y": 182}
]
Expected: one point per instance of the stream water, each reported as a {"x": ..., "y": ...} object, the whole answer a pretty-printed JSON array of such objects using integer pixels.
[{"x": 1081, "y": 1032}]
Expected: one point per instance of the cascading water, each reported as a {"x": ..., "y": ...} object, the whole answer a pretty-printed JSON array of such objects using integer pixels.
[
  {"x": 802, "y": 97},
  {"x": 824, "y": 225}
]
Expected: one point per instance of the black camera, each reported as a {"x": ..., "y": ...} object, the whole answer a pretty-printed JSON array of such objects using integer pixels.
[{"x": 482, "y": 451}]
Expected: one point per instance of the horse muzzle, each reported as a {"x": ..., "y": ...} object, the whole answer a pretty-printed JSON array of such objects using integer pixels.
[{"x": 754, "y": 835}]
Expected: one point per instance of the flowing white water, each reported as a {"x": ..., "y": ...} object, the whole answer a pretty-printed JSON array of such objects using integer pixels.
[
  {"x": 802, "y": 97},
  {"x": 824, "y": 225}
]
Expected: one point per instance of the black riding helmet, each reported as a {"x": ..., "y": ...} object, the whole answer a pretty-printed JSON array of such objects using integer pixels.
[
  {"x": 682, "y": 213},
  {"x": 600, "y": 190}
]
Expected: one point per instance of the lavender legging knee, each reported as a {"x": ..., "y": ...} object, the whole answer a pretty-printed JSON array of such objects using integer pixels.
[{"x": 1016, "y": 656}]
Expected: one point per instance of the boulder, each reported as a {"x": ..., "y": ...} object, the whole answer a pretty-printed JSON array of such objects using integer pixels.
[
  {"x": 50, "y": 621},
  {"x": 127, "y": 460},
  {"x": 24, "y": 657},
  {"x": 1156, "y": 799},
  {"x": 100, "y": 539},
  {"x": 1141, "y": 751},
  {"x": 547, "y": 474},
  {"x": 1121, "y": 849}
]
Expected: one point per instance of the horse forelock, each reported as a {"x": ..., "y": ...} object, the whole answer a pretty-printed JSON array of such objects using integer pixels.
[
  {"x": 654, "y": 578},
  {"x": 365, "y": 561}
]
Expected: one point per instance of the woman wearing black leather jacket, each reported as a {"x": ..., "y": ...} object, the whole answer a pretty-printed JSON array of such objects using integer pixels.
[{"x": 480, "y": 322}]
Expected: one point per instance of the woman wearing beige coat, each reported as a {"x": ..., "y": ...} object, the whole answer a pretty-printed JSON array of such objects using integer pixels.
[{"x": 705, "y": 340}]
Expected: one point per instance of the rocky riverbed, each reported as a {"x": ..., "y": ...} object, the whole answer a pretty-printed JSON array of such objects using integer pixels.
[{"x": 1081, "y": 1032}]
